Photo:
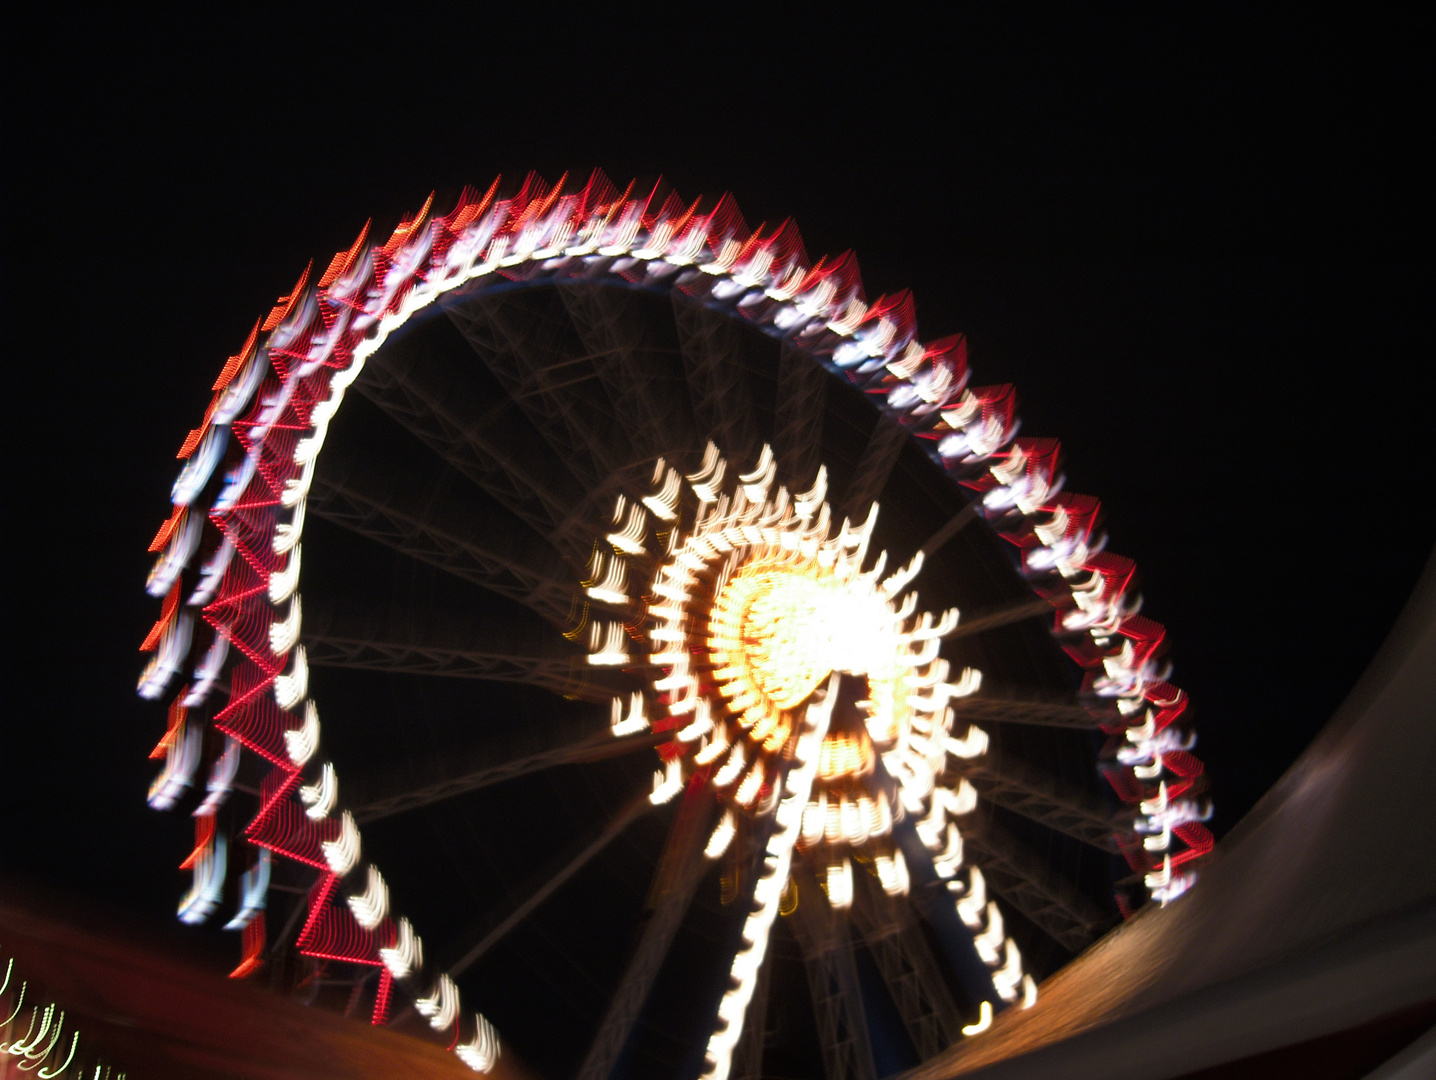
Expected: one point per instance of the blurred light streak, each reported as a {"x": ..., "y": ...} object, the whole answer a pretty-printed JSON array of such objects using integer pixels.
[{"x": 984, "y": 1020}]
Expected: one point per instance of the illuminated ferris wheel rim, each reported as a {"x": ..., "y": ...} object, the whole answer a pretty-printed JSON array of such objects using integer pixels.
[{"x": 319, "y": 338}]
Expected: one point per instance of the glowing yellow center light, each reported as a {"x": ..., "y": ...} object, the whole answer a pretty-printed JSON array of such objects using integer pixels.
[{"x": 783, "y": 623}]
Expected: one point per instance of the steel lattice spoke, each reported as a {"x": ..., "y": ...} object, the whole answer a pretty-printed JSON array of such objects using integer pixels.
[
  {"x": 1018, "y": 787},
  {"x": 679, "y": 871},
  {"x": 1022, "y": 879},
  {"x": 874, "y": 467},
  {"x": 897, "y": 945},
  {"x": 533, "y": 354},
  {"x": 621, "y": 821},
  {"x": 424, "y": 636},
  {"x": 479, "y": 439},
  {"x": 722, "y": 401},
  {"x": 634, "y": 368},
  {"x": 499, "y": 767},
  {"x": 798, "y": 417},
  {"x": 1039, "y": 711},
  {"x": 990, "y": 620},
  {"x": 822, "y": 935},
  {"x": 566, "y": 677},
  {"x": 432, "y": 523},
  {"x": 955, "y": 525}
]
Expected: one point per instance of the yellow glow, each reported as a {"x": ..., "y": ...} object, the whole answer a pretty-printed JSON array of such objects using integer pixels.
[
  {"x": 984, "y": 1020},
  {"x": 782, "y": 623}
]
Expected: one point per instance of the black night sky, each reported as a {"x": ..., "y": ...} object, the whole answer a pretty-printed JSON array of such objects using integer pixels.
[{"x": 1191, "y": 245}]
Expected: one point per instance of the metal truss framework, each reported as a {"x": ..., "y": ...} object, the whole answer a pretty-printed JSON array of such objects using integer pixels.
[
  {"x": 721, "y": 397},
  {"x": 1016, "y": 786},
  {"x": 679, "y": 871},
  {"x": 431, "y": 405},
  {"x": 532, "y": 354},
  {"x": 822, "y": 935},
  {"x": 798, "y": 417},
  {"x": 879, "y": 458},
  {"x": 990, "y": 620},
  {"x": 625, "y": 817},
  {"x": 630, "y": 364},
  {"x": 1021, "y": 878},
  {"x": 895, "y": 940},
  {"x": 436, "y": 532},
  {"x": 594, "y": 748},
  {"x": 1038, "y": 711},
  {"x": 955, "y": 525},
  {"x": 568, "y": 677}
]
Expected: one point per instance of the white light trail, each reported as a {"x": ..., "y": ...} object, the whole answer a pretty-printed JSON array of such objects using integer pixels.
[
  {"x": 320, "y": 796},
  {"x": 441, "y": 1005},
  {"x": 984, "y": 1020},
  {"x": 481, "y": 1053},
  {"x": 342, "y": 852},
  {"x": 632, "y": 724},
  {"x": 840, "y": 884},
  {"x": 181, "y": 760},
  {"x": 253, "y": 891},
  {"x": 291, "y": 689},
  {"x": 723, "y": 834},
  {"x": 221, "y": 778},
  {"x": 284, "y": 633},
  {"x": 204, "y": 895},
  {"x": 667, "y": 783},
  {"x": 990, "y": 940},
  {"x": 287, "y": 534},
  {"x": 773, "y": 879},
  {"x": 282, "y": 583},
  {"x": 609, "y": 650},
  {"x": 301, "y": 742},
  {"x": 971, "y": 906},
  {"x": 1007, "y": 977},
  {"x": 406, "y": 955},
  {"x": 371, "y": 907}
]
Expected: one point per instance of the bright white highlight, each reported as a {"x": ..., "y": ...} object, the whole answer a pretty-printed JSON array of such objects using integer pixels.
[
  {"x": 481, "y": 1053},
  {"x": 181, "y": 761},
  {"x": 984, "y": 1020},
  {"x": 284, "y": 633},
  {"x": 282, "y": 583},
  {"x": 372, "y": 905},
  {"x": 441, "y": 1006},
  {"x": 221, "y": 779},
  {"x": 253, "y": 892},
  {"x": 667, "y": 783},
  {"x": 722, "y": 836},
  {"x": 768, "y": 892},
  {"x": 291, "y": 689},
  {"x": 606, "y": 645},
  {"x": 204, "y": 895},
  {"x": 631, "y": 724},
  {"x": 406, "y": 955},
  {"x": 301, "y": 743},
  {"x": 343, "y": 852},
  {"x": 321, "y": 795}
]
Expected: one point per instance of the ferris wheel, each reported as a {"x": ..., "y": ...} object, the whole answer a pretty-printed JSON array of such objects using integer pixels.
[{"x": 710, "y": 667}]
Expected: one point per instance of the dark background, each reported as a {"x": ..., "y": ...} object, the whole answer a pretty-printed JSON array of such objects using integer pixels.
[{"x": 1192, "y": 244}]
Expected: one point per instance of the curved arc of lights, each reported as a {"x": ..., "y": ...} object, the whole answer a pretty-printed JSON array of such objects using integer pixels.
[
  {"x": 318, "y": 337},
  {"x": 764, "y": 598},
  {"x": 34, "y": 1048}
]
